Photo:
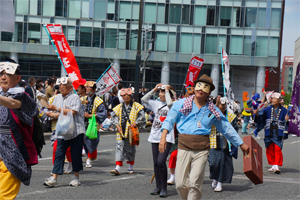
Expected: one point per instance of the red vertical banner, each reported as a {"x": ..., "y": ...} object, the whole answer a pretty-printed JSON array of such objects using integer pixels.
[
  {"x": 67, "y": 57},
  {"x": 267, "y": 77},
  {"x": 194, "y": 70}
]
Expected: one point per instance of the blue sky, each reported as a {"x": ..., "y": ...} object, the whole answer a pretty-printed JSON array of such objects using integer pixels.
[{"x": 291, "y": 27}]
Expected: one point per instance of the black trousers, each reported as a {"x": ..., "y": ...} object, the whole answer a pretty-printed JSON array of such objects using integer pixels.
[{"x": 160, "y": 167}]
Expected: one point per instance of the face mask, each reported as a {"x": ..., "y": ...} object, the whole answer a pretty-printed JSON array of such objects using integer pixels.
[{"x": 205, "y": 87}]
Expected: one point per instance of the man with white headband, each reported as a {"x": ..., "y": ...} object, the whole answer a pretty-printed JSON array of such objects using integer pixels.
[
  {"x": 274, "y": 119},
  {"x": 66, "y": 102},
  {"x": 17, "y": 150},
  {"x": 194, "y": 117}
]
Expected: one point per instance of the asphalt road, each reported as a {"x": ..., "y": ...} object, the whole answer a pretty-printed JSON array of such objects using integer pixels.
[{"x": 98, "y": 183}]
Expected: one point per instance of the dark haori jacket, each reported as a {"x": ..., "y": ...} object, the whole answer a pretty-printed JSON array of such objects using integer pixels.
[{"x": 272, "y": 118}]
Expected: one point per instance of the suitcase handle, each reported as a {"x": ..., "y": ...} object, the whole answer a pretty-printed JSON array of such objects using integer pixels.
[{"x": 256, "y": 159}]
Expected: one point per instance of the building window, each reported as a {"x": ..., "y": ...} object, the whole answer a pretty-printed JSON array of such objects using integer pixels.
[
  {"x": 161, "y": 41},
  {"x": 175, "y": 14},
  {"x": 172, "y": 42},
  {"x": 99, "y": 9},
  {"x": 262, "y": 46},
  {"x": 125, "y": 11},
  {"x": 211, "y": 44},
  {"x": 200, "y": 15},
  {"x": 135, "y": 11},
  {"x": 161, "y": 13},
  {"x": 276, "y": 18},
  {"x": 225, "y": 16},
  {"x": 261, "y": 22},
  {"x": 236, "y": 45},
  {"x": 71, "y": 35},
  {"x": 85, "y": 7},
  {"x": 86, "y": 36},
  {"x": 186, "y": 40},
  {"x": 74, "y": 8},
  {"x": 133, "y": 40},
  {"x": 110, "y": 38},
  {"x": 122, "y": 39},
  {"x": 59, "y": 8},
  {"x": 185, "y": 14},
  {"x": 34, "y": 33},
  {"x": 250, "y": 20},
  {"x": 236, "y": 17},
  {"x": 18, "y": 31},
  {"x": 273, "y": 46},
  {"x": 197, "y": 43},
  {"x": 210, "y": 20},
  {"x": 150, "y": 13},
  {"x": 21, "y": 7},
  {"x": 33, "y": 7},
  {"x": 96, "y": 37},
  {"x": 110, "y": 10},
  {"x": 247, "y": 46},
  {"x": 48, "y": 8}
]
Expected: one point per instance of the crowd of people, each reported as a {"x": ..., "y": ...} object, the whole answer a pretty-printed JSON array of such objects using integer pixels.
[{"x": 187, "y": 131}]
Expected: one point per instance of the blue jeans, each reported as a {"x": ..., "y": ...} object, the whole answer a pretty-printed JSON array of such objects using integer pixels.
[
  {"x": 76, "y": 150},
  {"x": 245, "y": 124}
]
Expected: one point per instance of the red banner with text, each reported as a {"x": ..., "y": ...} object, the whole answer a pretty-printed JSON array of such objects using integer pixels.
[
  {"x": 194, "y": 70},
  {"x": 67, "y": 57}
]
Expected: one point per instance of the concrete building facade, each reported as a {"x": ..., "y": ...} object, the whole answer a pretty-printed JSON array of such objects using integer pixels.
[{"x": 102, "y": 31}]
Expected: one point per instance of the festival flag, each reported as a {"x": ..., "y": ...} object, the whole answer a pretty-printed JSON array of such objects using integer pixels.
[
  {"x": 65, "y": 53},
  {"x": 282, "y": 91},
  {"x": 294, "y": 122},
  {"x": 194, "y": 70},
  {"x": 7, "y": 16},
  {"x": 227, "y": 84},
  {"x": 107, "y": 80}
]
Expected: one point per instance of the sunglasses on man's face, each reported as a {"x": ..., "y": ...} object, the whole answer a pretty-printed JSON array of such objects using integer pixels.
[
  {"x": 6, "y": 75},
  {"x": 125, "y": 91}
]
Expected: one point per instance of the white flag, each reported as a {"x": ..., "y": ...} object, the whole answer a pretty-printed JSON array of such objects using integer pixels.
[
  {"x": 108, "y": 80},
  {"x": 229, "y": 92},
  {"x": 7, "y": 16}
]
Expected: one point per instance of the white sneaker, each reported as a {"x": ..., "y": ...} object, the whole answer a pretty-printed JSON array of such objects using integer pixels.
[
  {"x": 51, "y": 182},
  {"x": 75, "y": 182},
  {"x": 69, "y": 168},
  {"x": 171, "y": 181},
  {"x": 257, "y": 137}
]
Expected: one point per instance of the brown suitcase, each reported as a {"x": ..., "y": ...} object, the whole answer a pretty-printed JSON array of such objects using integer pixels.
[{"x": 253, "y": 168}]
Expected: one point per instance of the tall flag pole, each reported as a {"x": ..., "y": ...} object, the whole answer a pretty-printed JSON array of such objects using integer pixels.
[
  {"x": 294, "y": 118},
  {"x": 225, "y": 58}
]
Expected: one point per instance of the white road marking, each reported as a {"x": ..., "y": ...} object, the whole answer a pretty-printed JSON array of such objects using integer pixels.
[
  {"x": 102, "y": 151},
  {"x": 86, "y": 184},
  {"x": 295, "y": 142}
]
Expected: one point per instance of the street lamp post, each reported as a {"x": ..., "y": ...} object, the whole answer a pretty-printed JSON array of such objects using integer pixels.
[{"x": 138, "y": 55}]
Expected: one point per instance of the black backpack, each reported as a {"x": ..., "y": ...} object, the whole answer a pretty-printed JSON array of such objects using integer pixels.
[{"x": 38, "y": 135}]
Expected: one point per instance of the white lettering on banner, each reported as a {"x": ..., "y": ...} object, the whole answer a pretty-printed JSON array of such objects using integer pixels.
[
  {"x": 114, "y": 76},
  {"x": 55, "y": 29},
  {"x": 196, "y": 63},
  {"x": 66, "y": 62},
  {"x": 73, "y": 76},
  {"x": 65, "y": 46},
  {"x": 191, "y": 77},
  {"x": 60, "y": 46}
]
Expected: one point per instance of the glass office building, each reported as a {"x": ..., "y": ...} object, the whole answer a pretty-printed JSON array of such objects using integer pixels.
[{"x": 104, "y": 31}]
